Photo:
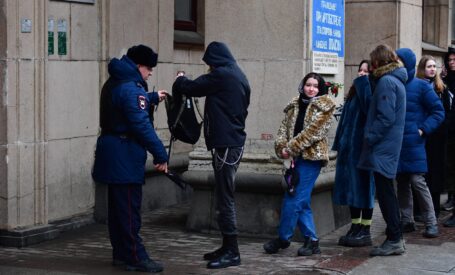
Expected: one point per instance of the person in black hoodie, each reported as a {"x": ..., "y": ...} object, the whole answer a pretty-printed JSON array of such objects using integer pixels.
[
  {"x": 227, "y": 93},
  {"x": 449, "y": 80}
]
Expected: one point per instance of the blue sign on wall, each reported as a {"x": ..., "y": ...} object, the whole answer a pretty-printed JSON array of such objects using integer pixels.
[{"x": 328, "y": 26}]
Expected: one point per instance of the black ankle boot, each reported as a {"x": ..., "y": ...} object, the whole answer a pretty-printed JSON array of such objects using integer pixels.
[
  {"x": 352, "y": 231},
  {"x": 362, "y": 238},
  {"x": 309, "y": 248},
  {"x": 272, "y": 247},
  {"x": 217, "y": 253},
  {"x": 228, "y": 258},
  {"x": 230, "y": 255}
]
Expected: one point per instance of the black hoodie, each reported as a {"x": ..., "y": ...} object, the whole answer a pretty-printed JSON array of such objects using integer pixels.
[{"x": 227, "y": 95}]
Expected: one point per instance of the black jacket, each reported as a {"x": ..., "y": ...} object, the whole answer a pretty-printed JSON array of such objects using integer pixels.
[{"x": 227, "y": 95}]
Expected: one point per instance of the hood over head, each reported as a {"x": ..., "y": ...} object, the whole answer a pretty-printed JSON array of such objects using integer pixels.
[
  {"x": 408, "y": 58},
  {"x": 217, "y": 54}
]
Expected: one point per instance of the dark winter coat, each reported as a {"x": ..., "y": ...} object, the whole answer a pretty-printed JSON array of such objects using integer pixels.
[
  {"x": 424, "y": 111},
  {"x": 385, "y": 121},
  {"x": 227, "y": 93},
  {"x": 449, "y": 80},
  {"x": 353, "y": 186},
  {"x": 121, "y": 151},
  {"x": 436, "y": 149}
]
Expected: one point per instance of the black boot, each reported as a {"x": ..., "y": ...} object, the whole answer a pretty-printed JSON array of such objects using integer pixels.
[
  {"x": 451, "y": 221},
  {"x": 217, "y": 253},
  {"x": 147, "y": 265},
  {"x": 448, "y": 205},
  {"x": 309, "y": 248},
  {"x": 361, "y": 238},
  {"x": 229, "y": 257},
  {"x": 272, "y": 247},
  {"x": 353, "y": 230}
]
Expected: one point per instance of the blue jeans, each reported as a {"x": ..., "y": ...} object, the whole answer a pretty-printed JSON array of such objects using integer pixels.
[{"x": 296, "y": 209}]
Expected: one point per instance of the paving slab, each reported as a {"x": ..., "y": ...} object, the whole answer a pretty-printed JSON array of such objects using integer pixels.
[{"x": 87, "y": 251}]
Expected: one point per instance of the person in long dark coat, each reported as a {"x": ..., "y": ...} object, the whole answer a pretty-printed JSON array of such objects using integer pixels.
[
  {"x": 382, "y": 141},
  {"x": 354, "y": 187},
  {"x": 436, "y": 146},
  {"x": 449, "y": 80}
]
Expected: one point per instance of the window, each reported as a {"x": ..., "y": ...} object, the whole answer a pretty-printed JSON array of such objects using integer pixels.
[
  {"x": 185, "y": 15},
  {"x": 435, "y": 23}
]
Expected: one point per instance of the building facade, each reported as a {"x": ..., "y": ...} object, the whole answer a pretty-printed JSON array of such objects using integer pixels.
[{"x": 53, "y": 62}]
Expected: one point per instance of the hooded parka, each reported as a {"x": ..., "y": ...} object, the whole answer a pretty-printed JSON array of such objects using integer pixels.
[
  {"x": 227, "y": 93},
  {"x": 385, "y": 121},
  {"x": 424, "y": 111}
]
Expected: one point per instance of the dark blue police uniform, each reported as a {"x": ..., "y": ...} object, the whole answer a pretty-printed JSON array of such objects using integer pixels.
[{"x": 121, "y": 151}]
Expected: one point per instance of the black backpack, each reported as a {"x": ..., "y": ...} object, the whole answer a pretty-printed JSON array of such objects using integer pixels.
[{"x": 181, "y": 118}]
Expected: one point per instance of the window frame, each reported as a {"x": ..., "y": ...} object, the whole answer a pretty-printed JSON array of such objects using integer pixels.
[{"x": 191, "y": 25}]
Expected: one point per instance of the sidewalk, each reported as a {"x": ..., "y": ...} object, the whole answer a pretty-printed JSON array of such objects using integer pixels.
[{"x": 87, "y": 251}]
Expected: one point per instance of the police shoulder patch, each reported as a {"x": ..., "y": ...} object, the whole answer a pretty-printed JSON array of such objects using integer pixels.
[{"x": 142, "y": 102}]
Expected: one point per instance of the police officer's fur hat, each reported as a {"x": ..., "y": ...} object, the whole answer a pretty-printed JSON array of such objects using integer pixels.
[{"x": 143, "y": 55}]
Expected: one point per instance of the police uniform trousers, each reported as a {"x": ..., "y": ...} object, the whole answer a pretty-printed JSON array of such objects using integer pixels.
[{"x": 124, "y": 218}]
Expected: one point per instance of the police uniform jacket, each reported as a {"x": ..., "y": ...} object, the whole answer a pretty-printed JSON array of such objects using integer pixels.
[{"x": 121, "y": 150}]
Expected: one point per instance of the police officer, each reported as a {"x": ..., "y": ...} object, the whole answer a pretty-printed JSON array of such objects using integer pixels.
[
  {"x": 126, "y": 134},
  {"x": 227, "y": 95}
]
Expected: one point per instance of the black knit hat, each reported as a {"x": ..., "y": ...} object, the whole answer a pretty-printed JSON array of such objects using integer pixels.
[{"x": 143, "y": 55}]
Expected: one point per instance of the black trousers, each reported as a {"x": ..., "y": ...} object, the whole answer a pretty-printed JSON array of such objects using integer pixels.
[
  {"x": 124, "y": 222},
  {"x": 225, "y": 162},
  {"x": 388, "y": 203}
]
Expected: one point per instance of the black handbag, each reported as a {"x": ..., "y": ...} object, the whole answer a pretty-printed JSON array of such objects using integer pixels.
[{"x": 291, "y": 178}]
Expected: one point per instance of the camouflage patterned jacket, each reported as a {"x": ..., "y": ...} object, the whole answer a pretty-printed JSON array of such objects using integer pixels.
[{"x": 311, "y": 143}]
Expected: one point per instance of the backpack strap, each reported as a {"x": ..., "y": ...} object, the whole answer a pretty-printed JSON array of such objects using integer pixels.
[{"x": 179, "y": 114}]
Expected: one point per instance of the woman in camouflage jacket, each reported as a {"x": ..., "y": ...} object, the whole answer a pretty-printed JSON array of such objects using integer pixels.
[{"x": 302, "y": 137}]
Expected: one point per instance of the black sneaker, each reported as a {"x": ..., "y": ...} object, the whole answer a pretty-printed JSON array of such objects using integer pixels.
[
  {"x": 214, "y": 254},
  {"x": 450, "y": 222},
  {"x": 228, "y": 258},
  {"x": 408, "y": 227},
  {"x": 362, "y": 238},
  {"x": 272, "y": 247},
  {"x": 309, "y": 248},
  {"x": 355, "y": 227},
  {"x": 388, "y": 248},
  {"x": 431, "y": 231},
  {"x": 448, "y": 205},
  {"x": 147, "y": 265}
]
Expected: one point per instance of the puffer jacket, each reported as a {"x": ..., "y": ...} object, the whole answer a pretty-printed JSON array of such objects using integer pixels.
[
  {"x": 385, "y": 121},
  {"x": 311, "y": 143},
  {"x": 424, "y": 111}
]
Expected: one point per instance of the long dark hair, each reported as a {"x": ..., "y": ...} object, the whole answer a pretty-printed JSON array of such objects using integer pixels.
[
  {"x": 437, "y": 81},
  {"x": 352, "y": 91},
  {"x": 321, "y": 83}
]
